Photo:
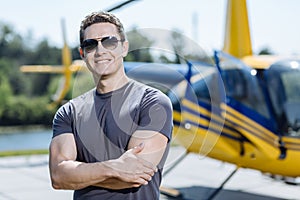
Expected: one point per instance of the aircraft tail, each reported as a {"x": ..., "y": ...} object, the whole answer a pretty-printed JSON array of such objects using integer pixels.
[{"x": 237, "y": 41}]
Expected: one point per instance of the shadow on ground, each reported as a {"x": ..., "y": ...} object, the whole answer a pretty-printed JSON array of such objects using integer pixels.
[{"x": 205, "y": 193}]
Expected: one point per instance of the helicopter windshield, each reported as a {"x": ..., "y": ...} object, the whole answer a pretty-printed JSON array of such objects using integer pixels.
[
  {"x": 283, "y": 80},
  {"x": 240, "y": 81}
]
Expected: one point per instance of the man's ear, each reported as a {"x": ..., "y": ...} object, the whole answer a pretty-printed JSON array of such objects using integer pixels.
[
  {"x": 81, "y": 52},
  {"x": 125, "y": 47}
]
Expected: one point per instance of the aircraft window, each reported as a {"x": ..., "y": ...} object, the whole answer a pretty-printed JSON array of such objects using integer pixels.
[
  {"x": 235, "y": 84},
  {"x": 276, "y": 91},
  {"x": 208, "y": 89},
  {"x": 201, "y": 89},
  {"x": 291, "y": 85},
  {"x": 284, "y": 86},
  {"x": 199, "y": 84},
  {"x": 291, "y": 105},
  {"x": 242, "y": 86}
]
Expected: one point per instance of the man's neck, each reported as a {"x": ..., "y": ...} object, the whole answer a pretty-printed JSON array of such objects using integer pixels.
[{"x": 106, "y": 85}]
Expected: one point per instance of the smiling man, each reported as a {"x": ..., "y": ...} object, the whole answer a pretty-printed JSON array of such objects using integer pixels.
[{"x": 111, "y": 142}]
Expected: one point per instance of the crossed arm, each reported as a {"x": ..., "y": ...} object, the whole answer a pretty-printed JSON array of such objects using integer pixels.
[{"x": 132, "y": 169}]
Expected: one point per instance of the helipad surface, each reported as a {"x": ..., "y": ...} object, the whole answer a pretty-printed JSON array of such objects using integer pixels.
[{"x": 27, "y": 178}]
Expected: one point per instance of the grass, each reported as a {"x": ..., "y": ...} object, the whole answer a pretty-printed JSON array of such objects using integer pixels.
[{"x": 24, "y": 152}]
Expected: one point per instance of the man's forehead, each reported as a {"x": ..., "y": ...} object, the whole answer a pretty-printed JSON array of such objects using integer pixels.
[{"x": 100, "y": 30}]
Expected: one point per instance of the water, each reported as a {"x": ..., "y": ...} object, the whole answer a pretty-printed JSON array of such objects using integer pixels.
[{"x": 25, "y": 140}]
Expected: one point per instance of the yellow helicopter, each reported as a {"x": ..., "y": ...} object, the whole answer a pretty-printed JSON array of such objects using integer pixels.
[
  {"x": 244, "y": 109},
  {"x": 248, "y": 111}
]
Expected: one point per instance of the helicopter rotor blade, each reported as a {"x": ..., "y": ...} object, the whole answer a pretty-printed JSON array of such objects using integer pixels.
[{"x": 119, "y": 5}]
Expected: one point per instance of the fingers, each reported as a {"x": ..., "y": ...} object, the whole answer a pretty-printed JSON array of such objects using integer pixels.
[
  {"x": 142, "y": 179},
  {"x": 148, "y": 165},
  {"x": 138, "y": 148},
  {"x": 134, "y": 169}
]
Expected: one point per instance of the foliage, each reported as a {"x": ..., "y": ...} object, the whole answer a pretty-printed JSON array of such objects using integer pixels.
[
  {"x": 24, "y": 97},
  {"x": 19, "y": 110},
  {"x": 187, "y": 49},
  {"x": 265, "y": 51},
  {"x": 5, "y": 92},
  {"x": 82, "y": 82},
  {"x": 11, "y": 44},
  {"x": 138, "y": 47}
]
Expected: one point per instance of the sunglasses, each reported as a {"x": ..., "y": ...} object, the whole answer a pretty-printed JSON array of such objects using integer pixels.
[{"x": 109, "y": 43}]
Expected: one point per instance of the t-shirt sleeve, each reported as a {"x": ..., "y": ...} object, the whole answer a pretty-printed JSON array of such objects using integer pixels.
[
  {"x": 156, "y": 113},
  {"x": 62, "y": 122}
]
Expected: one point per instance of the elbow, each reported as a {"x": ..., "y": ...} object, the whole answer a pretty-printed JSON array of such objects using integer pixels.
[
  {"x": 59, "y": 183},
  {"x": 56, "y": 186},
  {"x": 56, "y": 182}
]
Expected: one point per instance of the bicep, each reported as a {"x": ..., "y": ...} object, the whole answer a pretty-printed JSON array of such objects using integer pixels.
[
  {"x": 155, "y": 145},
  {"x": 62, "y": 148}
]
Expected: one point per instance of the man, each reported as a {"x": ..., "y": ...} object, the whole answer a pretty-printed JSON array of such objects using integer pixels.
[{"x": 111, "y": 142}]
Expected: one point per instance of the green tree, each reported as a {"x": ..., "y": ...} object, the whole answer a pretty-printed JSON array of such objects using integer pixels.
[
  {"x": 10, "y": 69},
  {"x": 186, "y": 48},
  {"x": 5, "y": 92},
  {"x": 139, "y": 47},
  {"x": 43, "y": 54},
  {"x": 11, "y": 43},
  {"x": 265, "y": 51}
]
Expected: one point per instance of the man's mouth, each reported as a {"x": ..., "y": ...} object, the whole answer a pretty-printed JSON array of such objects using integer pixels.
[{"x": 102, "y": 61}]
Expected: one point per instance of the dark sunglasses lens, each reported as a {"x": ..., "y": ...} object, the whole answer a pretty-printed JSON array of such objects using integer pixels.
[
  {"x": 109, "y": 42},
  {"x": 89, "y": 44}
]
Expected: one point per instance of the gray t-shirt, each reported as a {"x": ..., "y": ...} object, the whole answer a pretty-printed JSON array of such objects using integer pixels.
[{"x": 102, "y": 125}]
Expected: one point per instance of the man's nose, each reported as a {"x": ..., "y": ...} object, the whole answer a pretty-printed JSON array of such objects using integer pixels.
[{"x": 100, "y": 48}]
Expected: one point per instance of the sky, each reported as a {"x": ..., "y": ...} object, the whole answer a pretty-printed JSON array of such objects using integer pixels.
[{"x": 274, "y": 24}]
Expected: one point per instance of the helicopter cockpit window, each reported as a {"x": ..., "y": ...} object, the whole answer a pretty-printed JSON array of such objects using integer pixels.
[
  {"x": 235, "y": 84},
  {"x": 201, "y": 89},
  {"x": 242, "y": 85},
  {"x": 291, "y": 83},
  {"x": 284, "y": 87},
  {"x": 205, "y": 86}
]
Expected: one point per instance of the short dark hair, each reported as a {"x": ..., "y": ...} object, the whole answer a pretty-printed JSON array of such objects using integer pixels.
[{"x": 101, "y": 17}]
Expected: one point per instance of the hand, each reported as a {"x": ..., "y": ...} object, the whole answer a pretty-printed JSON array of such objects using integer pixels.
[{"x": 132, "y": 170}]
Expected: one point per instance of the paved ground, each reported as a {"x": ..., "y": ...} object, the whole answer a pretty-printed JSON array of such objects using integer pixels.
[
  {"x": 197, "y": 178},
  {"x": 27, "y": 178}
]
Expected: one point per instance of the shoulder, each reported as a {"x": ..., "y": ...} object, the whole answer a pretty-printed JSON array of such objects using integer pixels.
[
  {"x": 152, "y": 96},
  {"x": 68, "y": 108},
  {"x": 147, "y": 90},
  {"x": 156, "y": 94},
  {"x": 83, "y": 97}
]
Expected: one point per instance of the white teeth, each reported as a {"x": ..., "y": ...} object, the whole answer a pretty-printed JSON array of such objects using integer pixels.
[{"x": 102, "y": 61}]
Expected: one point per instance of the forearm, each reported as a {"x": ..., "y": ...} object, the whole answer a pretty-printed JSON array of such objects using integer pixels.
[
  {"x": 125, "y": 172},
  {"x": 116, "y": 184},
  {"x": 77, "y": 175}
]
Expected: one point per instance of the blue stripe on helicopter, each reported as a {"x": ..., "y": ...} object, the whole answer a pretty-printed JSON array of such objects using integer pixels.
[
  {"x": 253, "y": 115},
  {"x": 240, "y": 139},
  {"x": 207, "y": 118}
]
